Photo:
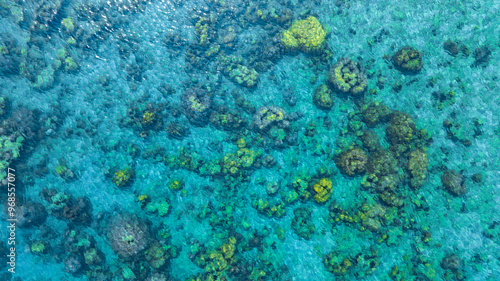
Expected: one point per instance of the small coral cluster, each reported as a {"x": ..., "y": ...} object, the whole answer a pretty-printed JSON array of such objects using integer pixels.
[
  {"x": 216, "y": 262},
  {"x": 323, "y": 97},
  {"x": 243, "y": 75},
  {"x": 346, "y": 77},
  {"x": 273, "y": 122},
  {"x": 454, "y": 182},
  {"x": 197, "y": 104},
  {"x": 123, "y": 177},
  {"x": 323, "y": 189},
  {"x": 268, "y": 116},
  {"x": 302, "y": 223},
  {"x": 63, "y": 206},
  {"x": 408, "y": 59}
]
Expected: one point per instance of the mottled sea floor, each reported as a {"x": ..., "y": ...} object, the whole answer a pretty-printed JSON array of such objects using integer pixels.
[{"x": 132, "y": 132}]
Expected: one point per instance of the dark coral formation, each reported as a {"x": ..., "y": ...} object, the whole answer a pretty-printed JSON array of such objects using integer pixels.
[
  {"x": 451, "y": 262},
  {"x": 64, "y": 206},
  {"x": 157, "y": 256},
  {"x": 225, "y": 119},
  {"x": 177, "y": 130},
  {"x": 9, "y": 57},
  {"x": 31, "y": 214},
  {"x": 408, "y": 60},
  {"x": 401, "y": 128},
  {"x": 451, "y": 47},
  {"x": 352, "y": 162},
  {"x": 371, "y": 141},
  {"x": 73, "y": 264},
  {"x": 381, "y": 163},
  {"x": 24, "y": 121},
  {"x": 83, "y": 253},
  {"x": 144, "y": 116},
  {"x": 482, "y": 56},
  {"x": 45, "y": 13},
  {"x": 376, "y": 113},
  {"x": 337, "y": 264},
  {"x": 302, "y": 223},
  {"x": 454, "y": 182},
  {"x": 346, "y": 76}
]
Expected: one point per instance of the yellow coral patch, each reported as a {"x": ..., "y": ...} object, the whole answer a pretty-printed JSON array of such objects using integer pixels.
[
  {"x": 308, "y": 35},
  {"x": 323, "y": 190}
]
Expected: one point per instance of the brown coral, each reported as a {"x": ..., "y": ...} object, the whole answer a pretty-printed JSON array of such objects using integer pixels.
[
  {"x": 454, "y": 182},
  {"x": 382, "y": 163},
  {"x": 352, "y": 162}
]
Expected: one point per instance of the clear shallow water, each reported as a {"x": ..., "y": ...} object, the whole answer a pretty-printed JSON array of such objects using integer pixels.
[{"x": 132, "y": 117}]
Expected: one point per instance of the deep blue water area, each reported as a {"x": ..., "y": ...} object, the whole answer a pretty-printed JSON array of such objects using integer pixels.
[{"x": 249, "y": 140}]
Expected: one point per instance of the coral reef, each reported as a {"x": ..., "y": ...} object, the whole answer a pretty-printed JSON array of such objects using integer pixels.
[
  {"x": 129, "y": 236},
  {"x": 123, "y": 177},
  {"x": 322, "y": 97},
  {"x": 401, "y": 128},
  {"x": 64, "y": 206},
  {"x": 197, "y": 104},
  {"x": 352, "y": 162},
  {"x": 323, "y": 190},
  {"x": 307, "y": 35},
  {"x": 302, "y": 223},
  {"x": 408, "y": 60},
  {"x": 346, "y": 77},
  {"x": 202, "y": 141},
  {"x": 454, "y": 182},
  {"x": 417, "y": 164}
]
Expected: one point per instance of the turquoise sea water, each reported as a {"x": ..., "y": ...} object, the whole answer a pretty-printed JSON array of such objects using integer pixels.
[{"x": 226, "y": 140}]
